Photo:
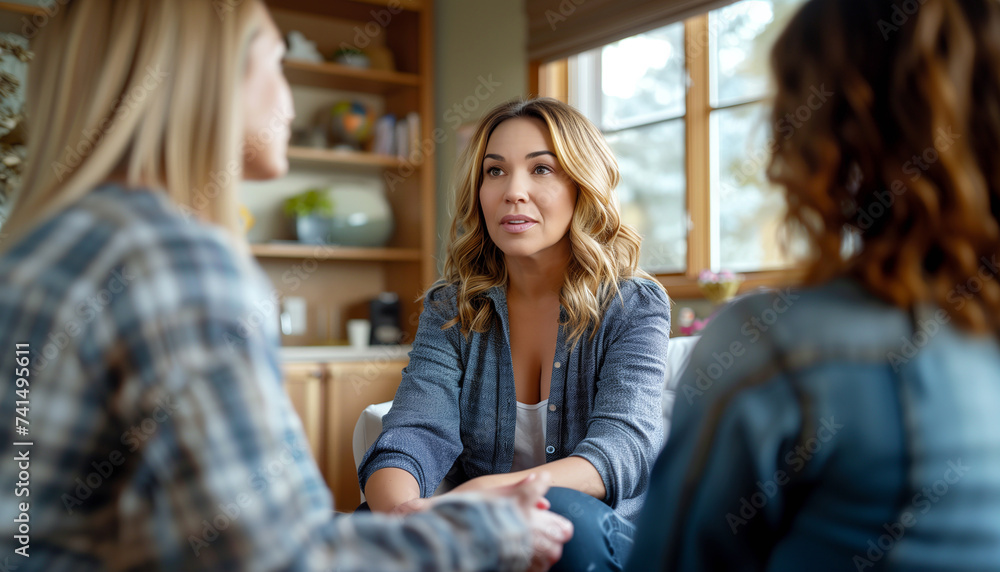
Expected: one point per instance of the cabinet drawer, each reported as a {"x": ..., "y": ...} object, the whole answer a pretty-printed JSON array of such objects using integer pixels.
[{"x": 351, "y": 388}]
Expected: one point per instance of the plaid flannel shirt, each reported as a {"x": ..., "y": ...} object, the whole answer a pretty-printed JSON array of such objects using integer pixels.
[{"x": 161, "y": 437}]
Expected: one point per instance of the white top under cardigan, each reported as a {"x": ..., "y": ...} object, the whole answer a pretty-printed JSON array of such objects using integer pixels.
[{"x": 529, "y": 436}]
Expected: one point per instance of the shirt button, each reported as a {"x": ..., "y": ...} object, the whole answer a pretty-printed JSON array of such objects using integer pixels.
[
  {"x": 558, "y": 365},
  {"x": 552, "y": 407},
  {"x": 550, "y": 449}
]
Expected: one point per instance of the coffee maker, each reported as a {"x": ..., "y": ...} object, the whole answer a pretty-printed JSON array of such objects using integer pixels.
[{"x": 384, "y": 315}]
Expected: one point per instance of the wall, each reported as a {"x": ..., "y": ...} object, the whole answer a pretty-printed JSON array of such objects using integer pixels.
[{"x": 481, "y": 61}]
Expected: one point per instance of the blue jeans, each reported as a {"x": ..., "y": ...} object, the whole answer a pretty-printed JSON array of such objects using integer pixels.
[{"x": 601, "y": 539}]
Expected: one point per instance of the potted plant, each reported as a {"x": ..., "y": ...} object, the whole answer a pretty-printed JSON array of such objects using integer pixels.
[
  {"x": 353, "y": 57},
  {"x": 313, "y": 214}
]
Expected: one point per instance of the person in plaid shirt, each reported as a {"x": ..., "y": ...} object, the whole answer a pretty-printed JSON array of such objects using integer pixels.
[{"x": 158, "y": 434}]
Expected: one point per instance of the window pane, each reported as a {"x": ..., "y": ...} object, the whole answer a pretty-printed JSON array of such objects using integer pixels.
[
  {"x": 748, "y": 210},
  {"x": 740, "y": 40},
  {"x": 643, "y": 78},
  {"x": 652, "y": 192}
]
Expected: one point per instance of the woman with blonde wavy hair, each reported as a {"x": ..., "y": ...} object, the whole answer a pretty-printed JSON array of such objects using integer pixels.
[
  {"x": 544, "y": 345},
  {"x": 152, "y": 431},
  {"x": 860, "y": 429}
]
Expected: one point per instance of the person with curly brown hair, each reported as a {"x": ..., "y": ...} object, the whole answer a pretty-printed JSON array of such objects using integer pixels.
[{"x": 857, "y": 427}]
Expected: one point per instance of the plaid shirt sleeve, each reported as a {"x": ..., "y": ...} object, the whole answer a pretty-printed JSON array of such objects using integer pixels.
[
  {"x": 237, "y": 487},
  {"x": 176, "y": 381}
]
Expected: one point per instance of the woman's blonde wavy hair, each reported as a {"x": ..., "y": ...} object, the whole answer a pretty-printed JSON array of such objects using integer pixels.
[
  {"x": 605, "y": 251},
  {"x": 149, "y": 88},
  {"x": 904, "y": 153}
]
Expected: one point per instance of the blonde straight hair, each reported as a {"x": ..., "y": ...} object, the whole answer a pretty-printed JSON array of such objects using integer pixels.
[
  {"x": 605, "y": 250},
  {"x": 145, "y": 88}
]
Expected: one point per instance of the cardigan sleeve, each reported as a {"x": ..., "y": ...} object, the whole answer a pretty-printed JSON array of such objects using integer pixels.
[
  {"x": 625, "y": 430},
  {"x": 421, "y": 432}
]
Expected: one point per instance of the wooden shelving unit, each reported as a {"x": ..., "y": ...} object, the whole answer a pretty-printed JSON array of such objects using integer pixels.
[
  {"x": 338, "y": 282},
  {"x": 407, "y": 264}
]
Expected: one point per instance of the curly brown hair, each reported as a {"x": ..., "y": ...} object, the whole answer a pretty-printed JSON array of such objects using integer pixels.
[{"x": 903, "y": 154}]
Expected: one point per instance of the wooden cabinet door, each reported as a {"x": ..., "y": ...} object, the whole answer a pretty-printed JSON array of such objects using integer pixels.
[
  {"x": 304, "y": 385},
  {"x": 352, "y": 387}
]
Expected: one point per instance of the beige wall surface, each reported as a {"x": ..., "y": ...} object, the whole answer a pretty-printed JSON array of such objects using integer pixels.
[{"x": 481, "y": 61}]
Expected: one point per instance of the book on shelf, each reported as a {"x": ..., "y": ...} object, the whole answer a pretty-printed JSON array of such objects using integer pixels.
[
  {"x": 413, "y": 124},
  {"x": 384, "y": 141},
  {"x": 402, "y": 139},
  {"x": 407, "y": 135}
]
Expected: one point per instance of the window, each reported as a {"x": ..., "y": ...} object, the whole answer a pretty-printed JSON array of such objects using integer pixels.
[
  {"x": 634, "y": 91},
  {"x": 684, "y": 107}
]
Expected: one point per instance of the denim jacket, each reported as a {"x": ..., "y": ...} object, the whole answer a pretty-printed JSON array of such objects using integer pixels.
[
  {"x": 456, "y": 405},
  {"x": 823, "y": 429}
]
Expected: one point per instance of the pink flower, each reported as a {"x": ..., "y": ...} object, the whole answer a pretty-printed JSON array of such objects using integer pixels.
[{"x": 723, "y": 276}]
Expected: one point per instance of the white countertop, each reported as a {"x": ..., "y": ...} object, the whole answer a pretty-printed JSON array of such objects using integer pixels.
[{"x": 326, "y": 354}]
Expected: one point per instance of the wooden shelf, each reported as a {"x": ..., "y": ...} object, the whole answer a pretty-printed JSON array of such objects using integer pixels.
[
  {"x": 357, "y": 10},
  {"x": 411, "y": 5},
  {"x": 331, "y": 252},
  {"x": 337, "y": 76},
  {"x": 345, "y": 158},
  {"x": 21, "y": 8}
]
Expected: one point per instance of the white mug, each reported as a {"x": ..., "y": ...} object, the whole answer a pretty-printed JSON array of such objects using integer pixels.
[
  {"x": 293, "y": 316},
  {"x": 359, "y": 332}
]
